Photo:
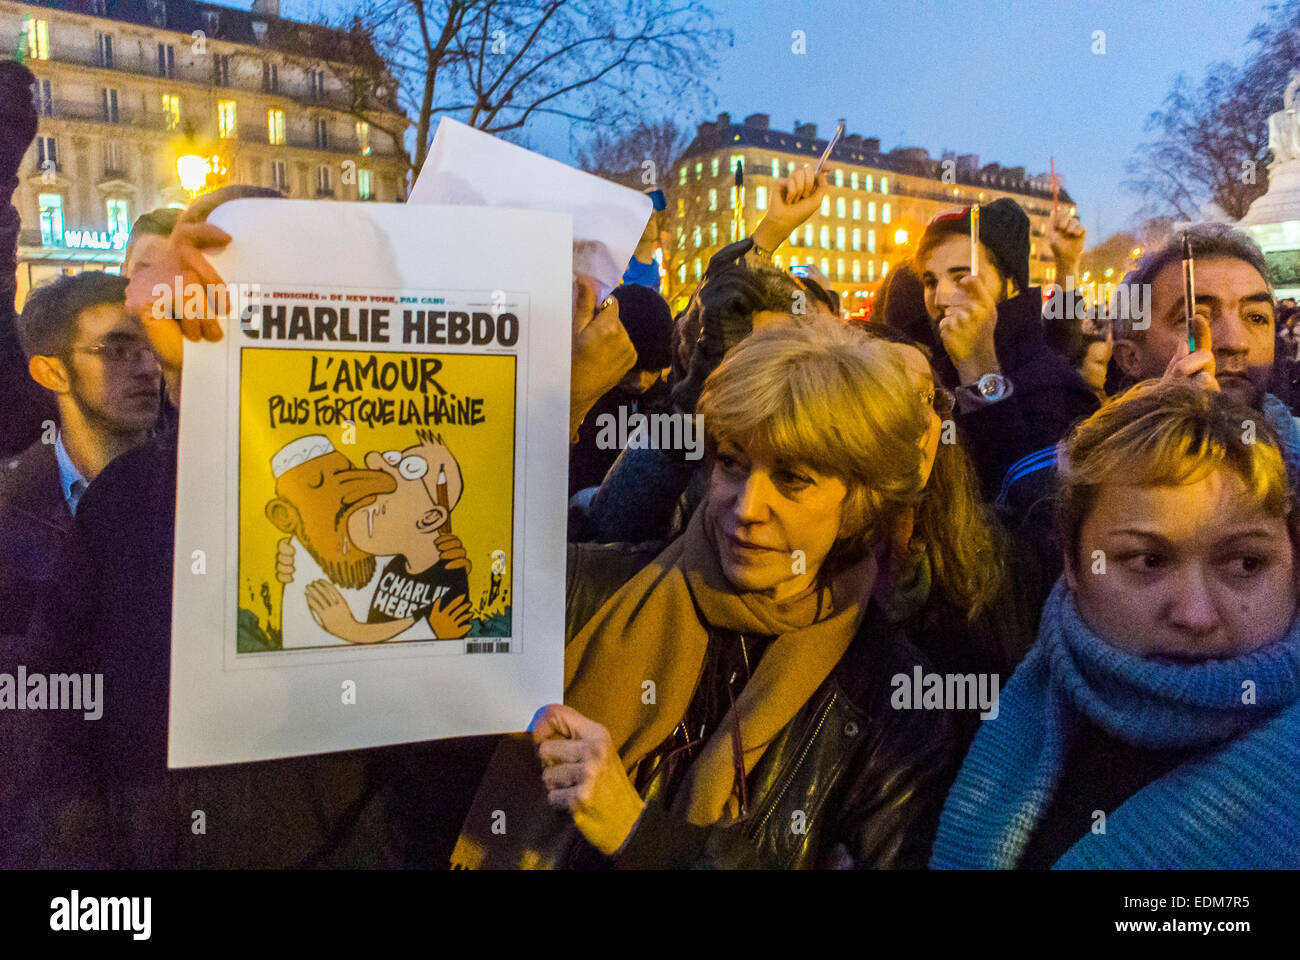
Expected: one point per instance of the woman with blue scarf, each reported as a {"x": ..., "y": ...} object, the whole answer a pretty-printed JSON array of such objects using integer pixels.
[{"x": 1156, "y": 722}]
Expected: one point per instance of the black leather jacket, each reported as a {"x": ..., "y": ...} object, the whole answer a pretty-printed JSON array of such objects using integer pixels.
[{"x": 850, "y": 781}]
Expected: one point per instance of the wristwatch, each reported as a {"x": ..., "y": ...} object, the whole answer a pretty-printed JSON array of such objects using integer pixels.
[
  {"x": 760, "y": 253},
  {"x": 990, "y": 388}
]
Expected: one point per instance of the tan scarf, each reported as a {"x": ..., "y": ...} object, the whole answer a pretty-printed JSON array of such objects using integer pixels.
[{"x": 656, "y": 628}]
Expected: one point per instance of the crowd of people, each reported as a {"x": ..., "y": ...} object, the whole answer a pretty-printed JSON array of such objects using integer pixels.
[{"x": 958, "y": 586}]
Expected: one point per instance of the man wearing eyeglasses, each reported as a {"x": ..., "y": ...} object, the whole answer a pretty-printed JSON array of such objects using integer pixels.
[{"x": 96, "y": 361}]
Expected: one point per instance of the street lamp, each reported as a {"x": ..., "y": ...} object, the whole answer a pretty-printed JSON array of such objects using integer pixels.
[
  {"x": 193, "y": 173},
  {"x": 900, "y": 237}
]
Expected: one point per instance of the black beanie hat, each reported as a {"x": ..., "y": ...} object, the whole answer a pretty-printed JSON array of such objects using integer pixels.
[
  {"x": 1004, "y": 230},
  {"x": 649, "y": 324}
]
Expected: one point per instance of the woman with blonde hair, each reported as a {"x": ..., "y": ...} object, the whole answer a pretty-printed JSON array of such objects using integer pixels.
[
  {"x": 726, "y": 702},
  {"x": 1156, "y": 722}
]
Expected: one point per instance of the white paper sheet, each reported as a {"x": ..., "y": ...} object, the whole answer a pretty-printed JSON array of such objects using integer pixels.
[
  {"x": 290, "y": 437},
  {"x": 469, "y": 167}
]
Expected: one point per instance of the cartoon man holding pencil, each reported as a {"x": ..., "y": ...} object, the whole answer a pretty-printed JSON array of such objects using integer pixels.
[{"x": 422, "y": 583}]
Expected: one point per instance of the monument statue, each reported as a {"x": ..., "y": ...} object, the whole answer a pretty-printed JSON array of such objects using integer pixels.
[{"x": 1284, "y": 126}]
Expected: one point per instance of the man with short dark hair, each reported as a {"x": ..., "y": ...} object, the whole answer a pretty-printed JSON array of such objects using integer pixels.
[
  {"x": 96, "y": 361},
  {"x": 1233, "y": 325},
  {"x": 149, "y": 236}
]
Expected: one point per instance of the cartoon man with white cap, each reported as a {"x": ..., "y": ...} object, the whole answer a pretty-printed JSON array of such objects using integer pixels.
[
  {"x": 317, "y": 490},
  {"x": 417, "y": 588}
]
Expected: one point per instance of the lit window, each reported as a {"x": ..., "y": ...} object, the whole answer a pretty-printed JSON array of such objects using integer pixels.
[
  {"x": 736, "y": 161},
  {"x": 119, "y": 217},
  {"x": 857, "y": 209},
  {"x": 884, "y": 184},
  {"x": 697, "y": 270},
  {"x": 699, "y": 170},
  {"x": 871, "y": 211},
  {"x": 681, "y": 271},
  {"x": 839, "y": 238},
  {"x": 857, "y": 239},
  {"x": 884, "y": 213},
  {"x": 713, "y": 199},
  {"x": 364, "y": 189},
  {"x": 839, "y": 177},
  {"x": 789, "y": 167},
  {"x": 777, "y": 262},
  {"x": 38, "y": 48},
  {"x": 776, "y": 168},
  {"x": 857, "y": 271},
  {"x": 871, "y": 241},
  {"x": 826, "y": 267},
  {"x": 839, "y": 269},
  {"x": 225, "y": 119},
  {"x": 363, "y": 137},
  {"x": 794, "y": 240},
  {"x": 695, "y": 236},
  {"x": 826, "y": 206},
  {"x": 826, "y": 238},
  {"x": 681, "y": 178},
  {"x": 713, "y": 167},
  {"x": 794, "y": 261},
  {"x": 884, "y": 268},
  {"x": 807, "y": 235},
  {"x": 275, "y": 127},
  {"x": 171, "y": 108},
  {"x": 871, "y": 271},
  {"x": 853, "y": 180},
  {"x": 866, "y": 182},
  {"x": 760, "y": 198},
  {"x": 713, "y": 234},
  {"x": 839, "y": 207},
  {"x": 681, "y": 208},
  {"x": 51, "y": 219}
]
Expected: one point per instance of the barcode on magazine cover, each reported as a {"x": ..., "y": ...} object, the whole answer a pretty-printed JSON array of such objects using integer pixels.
[{"x": 487, "y": 646}]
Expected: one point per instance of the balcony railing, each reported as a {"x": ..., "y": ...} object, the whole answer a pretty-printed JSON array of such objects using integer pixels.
[{"x": 200, "y": 72}]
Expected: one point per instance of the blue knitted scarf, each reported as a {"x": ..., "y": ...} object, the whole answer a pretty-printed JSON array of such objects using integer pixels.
[{"x": 1235, "y": 804}]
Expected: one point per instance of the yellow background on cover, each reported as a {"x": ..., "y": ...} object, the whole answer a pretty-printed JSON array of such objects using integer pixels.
[{"x": 485, "y": 452}]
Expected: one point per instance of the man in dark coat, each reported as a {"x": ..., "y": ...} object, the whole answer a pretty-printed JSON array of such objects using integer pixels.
[{"x": 1016, "y": 396}]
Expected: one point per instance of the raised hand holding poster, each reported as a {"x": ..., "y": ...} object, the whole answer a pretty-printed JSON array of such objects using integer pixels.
[{"x": 372, "y": 468}]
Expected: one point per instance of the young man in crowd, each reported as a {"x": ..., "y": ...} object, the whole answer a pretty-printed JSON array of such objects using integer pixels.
[
  {"x": 1016, "y": 396},
  {"x": 149, "y": 236},
  {"x": 96, "y": 362}
]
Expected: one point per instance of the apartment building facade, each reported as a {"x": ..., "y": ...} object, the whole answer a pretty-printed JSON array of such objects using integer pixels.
[
  {"x": 126, "y": 88},
  {"x": 871, "y": 218}
]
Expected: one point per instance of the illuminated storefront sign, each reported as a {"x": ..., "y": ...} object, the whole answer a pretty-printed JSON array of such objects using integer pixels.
[{"x": 93, "y": 240}]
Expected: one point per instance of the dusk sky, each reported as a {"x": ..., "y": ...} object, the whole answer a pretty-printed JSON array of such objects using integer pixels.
[{"x": 1014, "y": 82}]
